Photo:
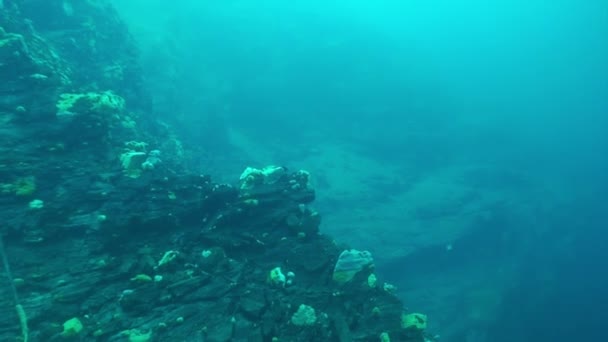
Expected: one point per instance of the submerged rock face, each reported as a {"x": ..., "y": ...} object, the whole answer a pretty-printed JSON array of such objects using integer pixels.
[
  {"x": 195, "y": 266},
  {"x": 103, "y": 249}
]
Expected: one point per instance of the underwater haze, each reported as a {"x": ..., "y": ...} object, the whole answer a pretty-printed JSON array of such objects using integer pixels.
[
  {"x": 463, "y": 142},
  {"x": 240, "y": 170}
]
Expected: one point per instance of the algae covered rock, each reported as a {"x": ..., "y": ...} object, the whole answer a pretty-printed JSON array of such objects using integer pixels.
[
  {"x": 104, "y": 103},
  {"x": 304, "y": 316},
  {"x": 135, "y": 159},
  {"x": 91, "y": 118},
  {"x": 252, "y": 177},
  {"x": 414, "y": 321},
  {"x": 350, "y": 263},
  {"x": 72, "y": 327}
]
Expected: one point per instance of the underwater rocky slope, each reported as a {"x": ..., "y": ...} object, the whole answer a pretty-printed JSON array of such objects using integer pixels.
[{"x": 110, "y": 238}]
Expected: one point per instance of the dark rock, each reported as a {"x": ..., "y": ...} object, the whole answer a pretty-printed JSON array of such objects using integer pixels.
[{"x": 252, "y": 304}]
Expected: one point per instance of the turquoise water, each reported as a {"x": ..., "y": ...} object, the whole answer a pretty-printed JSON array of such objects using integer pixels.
[{"x": 462, "y": 142}]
